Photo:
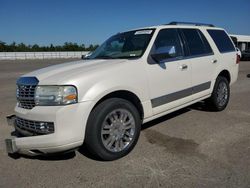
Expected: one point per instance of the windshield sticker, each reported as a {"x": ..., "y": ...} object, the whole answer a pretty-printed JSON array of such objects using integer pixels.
[
  {"x": 143, "y": 32},
  {"x": 132, "y": 55}
]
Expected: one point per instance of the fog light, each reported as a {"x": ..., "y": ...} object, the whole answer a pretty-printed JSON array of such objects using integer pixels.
[
  {"x": 44, "y": 127},
  {"x": 34, "y": 127}
]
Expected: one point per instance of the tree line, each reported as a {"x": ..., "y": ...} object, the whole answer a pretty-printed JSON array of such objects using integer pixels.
[{"x": 67, "y": 46}]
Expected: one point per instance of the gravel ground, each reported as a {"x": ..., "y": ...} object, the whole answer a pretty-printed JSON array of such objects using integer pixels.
[{"x": 189, "y": 148}]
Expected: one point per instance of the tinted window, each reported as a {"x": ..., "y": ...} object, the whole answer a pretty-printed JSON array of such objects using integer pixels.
[
  {"x": 168, "y": 41},
  {"x": 196, "y": 42},
  {"x": 207, "y": 46},
  {"x": 222, "y": 40}
]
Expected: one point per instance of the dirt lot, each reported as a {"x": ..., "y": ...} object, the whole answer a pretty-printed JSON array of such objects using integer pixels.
[{"x": 188, "y": 148}]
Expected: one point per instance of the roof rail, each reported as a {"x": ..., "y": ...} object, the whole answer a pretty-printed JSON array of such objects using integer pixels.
[{"x": 190, "y": 23}]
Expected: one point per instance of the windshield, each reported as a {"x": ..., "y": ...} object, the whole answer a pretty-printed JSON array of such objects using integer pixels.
[{"x": 130, "y": 44}]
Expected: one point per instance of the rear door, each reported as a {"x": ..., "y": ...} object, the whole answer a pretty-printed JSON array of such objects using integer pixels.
[{"x": 201, "y": 57}]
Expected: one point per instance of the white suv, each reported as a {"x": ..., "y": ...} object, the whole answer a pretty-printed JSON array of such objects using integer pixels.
[{"x": 132, "y": 78}]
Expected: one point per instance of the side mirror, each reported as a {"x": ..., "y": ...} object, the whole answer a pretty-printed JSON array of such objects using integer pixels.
[{"x": 163, "y": 53}]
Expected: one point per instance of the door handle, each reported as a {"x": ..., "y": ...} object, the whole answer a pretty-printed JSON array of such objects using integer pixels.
[
  {"x": 183, "y": 67},
  {"x": 214, "y": 61}
]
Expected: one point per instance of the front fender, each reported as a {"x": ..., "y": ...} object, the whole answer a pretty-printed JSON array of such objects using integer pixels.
[{"x": 103, "y": 88}]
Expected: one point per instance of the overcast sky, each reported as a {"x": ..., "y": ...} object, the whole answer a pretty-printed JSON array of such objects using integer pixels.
[{"x": 57, "y": 21}]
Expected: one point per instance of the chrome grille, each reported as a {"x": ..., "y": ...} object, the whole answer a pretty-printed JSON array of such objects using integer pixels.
[
  {"x": 26, "y": 96},
  {"x": 29, "y": 127}
]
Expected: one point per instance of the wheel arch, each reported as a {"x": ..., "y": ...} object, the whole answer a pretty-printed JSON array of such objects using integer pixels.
[
  {"x": 123, "y": 94},
  {"x": 226, "y": 74}
]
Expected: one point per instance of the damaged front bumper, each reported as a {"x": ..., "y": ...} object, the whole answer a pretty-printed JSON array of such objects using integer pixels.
[
  {"x": 47, "y": 129},
  {"x": 10, "y": 142}
]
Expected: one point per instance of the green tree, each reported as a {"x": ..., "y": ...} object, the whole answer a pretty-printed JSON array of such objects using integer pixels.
[
  {"x": 2, "y": 46},
  {"x": 22, "y": 47},
  {"x": 12, "y": 47},
  {"x": 51, "y": 48},
  {"x": 35, "y": 47},
  {"x": 82, "y": 47},
  {"x": 67, "y": 46}
]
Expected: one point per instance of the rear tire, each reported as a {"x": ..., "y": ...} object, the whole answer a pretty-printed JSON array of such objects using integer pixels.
[
  {"x": 113, "y": 129},
  {"x": 220, "y": 95}
]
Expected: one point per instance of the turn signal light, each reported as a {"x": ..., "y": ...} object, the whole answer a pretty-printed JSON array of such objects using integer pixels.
[{"x": 70, "y": 97}]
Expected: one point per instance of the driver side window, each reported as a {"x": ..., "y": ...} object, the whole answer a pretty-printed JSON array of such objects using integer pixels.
[{"x": 168, "y": 43}]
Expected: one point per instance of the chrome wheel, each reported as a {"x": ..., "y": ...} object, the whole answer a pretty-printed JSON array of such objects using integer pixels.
[
  {"x": 118, "y": 130},
  {"x": 222, "y": 94}
]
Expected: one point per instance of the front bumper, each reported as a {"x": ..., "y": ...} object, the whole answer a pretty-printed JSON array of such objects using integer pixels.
[
  {"x": 11, "y": 145},
  {"x": 69, "y": 121},
  {"x": 10, "y": 142}
]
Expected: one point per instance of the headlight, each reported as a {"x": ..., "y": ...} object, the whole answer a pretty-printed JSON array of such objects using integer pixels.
[{"x": 55, "y": 95}]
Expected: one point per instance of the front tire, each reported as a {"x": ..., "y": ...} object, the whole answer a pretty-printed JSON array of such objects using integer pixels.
[
  {"x": 220, "y": 95},
  {"x": 113, "y": 129}
]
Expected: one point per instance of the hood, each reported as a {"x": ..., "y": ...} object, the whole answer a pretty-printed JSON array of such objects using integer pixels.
[{"x": 59, "y": 74}]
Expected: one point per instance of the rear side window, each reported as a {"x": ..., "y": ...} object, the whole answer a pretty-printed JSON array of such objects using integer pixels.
[
  {"x": 196, "y": 42},
  {"x": 222, "y": 40}
]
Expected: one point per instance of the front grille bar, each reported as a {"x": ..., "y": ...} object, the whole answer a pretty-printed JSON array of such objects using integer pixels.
[{"x": 25, "y": 94}]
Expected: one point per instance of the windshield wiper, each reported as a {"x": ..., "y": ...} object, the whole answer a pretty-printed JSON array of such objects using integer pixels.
[
  {"x": 118, "y": 57},
  {"x": 103, "y": 57},
  {"x": 128, "y": 57}
]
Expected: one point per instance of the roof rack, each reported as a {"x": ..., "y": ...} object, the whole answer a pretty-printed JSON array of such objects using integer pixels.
[{"x": 190, "y": 23}]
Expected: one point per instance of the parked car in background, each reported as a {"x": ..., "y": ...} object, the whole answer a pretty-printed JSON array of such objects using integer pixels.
[
  {"x": 243, "y": 43},
  {"x": 132, "y": 78},
  {"x": 246, "y": 55}
]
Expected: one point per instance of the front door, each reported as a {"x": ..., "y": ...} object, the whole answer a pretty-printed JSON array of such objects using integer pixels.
[{"x": 168, "y": 73}]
